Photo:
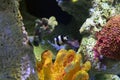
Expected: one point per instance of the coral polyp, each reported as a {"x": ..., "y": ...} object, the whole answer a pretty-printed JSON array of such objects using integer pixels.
[
  {"x": 67, "y": 66},
  {"x": 108, "y": 39}
]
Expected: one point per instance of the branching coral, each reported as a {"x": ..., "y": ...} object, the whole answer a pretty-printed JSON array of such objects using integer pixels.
[
  {"x": 108, "y": 39},
  {"x": 101, "y": 10},
  {"x": 43, "y": 27},
  {"x": 67, "y": 66}
]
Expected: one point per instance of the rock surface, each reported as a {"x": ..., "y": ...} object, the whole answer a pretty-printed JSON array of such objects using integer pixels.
[{"x": 17, "y": 60}]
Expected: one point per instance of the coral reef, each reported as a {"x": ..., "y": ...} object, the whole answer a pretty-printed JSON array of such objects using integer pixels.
[
  {"x": 42, "y": 27},
  {"x": 100, "y": 12},
  {"x": 86, "y": 47},
  {"x": 67, "y": 66},
  {"x": 45, "y": 26},
  {"x": 106, "y": 50},
  {"x": 108, "y": 39}
]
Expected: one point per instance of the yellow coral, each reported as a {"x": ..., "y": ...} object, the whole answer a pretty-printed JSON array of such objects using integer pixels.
[
  {"x": 67, "y": 66},
  {"x": 73, "y": 67},
  {"x": 44, "y": 67},
  {"x": 69, "y": 57},
  {"x": 86, "y": 66},
  {"x": 81, "y": 75}
]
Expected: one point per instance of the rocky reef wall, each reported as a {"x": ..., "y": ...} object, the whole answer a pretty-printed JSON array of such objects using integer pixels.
[{"x": 17, "y": 61}]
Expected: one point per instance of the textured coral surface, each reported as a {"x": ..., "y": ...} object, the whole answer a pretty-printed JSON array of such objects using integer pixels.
[
  {"x": 67, "y": 66},
  {"x": 108, "y": 39}
]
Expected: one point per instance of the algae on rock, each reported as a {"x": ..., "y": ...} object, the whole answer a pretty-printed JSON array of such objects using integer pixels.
[
  {"x": 78, "y": 9},
  {"x": 17, "y": 61}
]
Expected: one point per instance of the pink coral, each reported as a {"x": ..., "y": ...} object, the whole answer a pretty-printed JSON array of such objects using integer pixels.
[{"x": 108, "y": 39}]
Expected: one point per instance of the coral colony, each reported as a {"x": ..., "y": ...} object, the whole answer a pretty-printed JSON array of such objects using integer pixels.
[
  {"x": 108, "y": 43},
  {"x": 67, "y": 66},
  {"x": 99, "y": 50},
  {"x": 108, "y": 40},
  {"x": 98, "y": 53}
]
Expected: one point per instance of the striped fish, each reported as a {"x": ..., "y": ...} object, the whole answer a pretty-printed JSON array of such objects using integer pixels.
[{"x": 59, "y": 40}]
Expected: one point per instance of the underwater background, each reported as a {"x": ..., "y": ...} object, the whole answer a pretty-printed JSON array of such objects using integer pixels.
[{"x": 60, "y": 40}]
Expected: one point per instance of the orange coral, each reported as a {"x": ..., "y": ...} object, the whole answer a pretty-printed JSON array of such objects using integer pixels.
[{"x": 67, "y": 66}]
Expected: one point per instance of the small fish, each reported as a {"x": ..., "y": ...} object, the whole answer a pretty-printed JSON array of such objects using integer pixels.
[
  {"x": 57, "y": 47},
  {"x": 59, "y": 40}
]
